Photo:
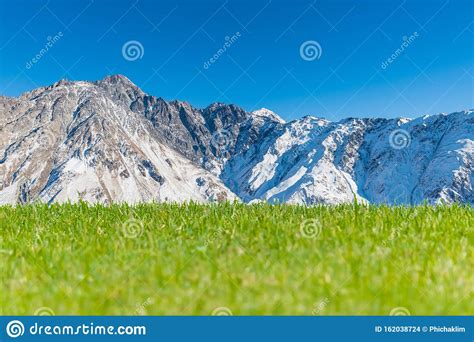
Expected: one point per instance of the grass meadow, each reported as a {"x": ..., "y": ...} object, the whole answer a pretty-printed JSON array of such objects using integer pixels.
[{"x": 222, "y": 259}]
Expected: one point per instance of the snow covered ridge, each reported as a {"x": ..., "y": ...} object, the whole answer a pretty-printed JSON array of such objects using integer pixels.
[
  {"x": 267, "y": 113},
  {"x": 107, "y": 141}
]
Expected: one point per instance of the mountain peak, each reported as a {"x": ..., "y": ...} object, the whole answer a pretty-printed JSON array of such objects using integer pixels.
[
  {"x": 117, "y": 79},
  {"x": 267, "y": 113},
  {"x": 121, "y": 88},
  {"x": 216, "y": 105},
  {"x": 61, "y": 82}
]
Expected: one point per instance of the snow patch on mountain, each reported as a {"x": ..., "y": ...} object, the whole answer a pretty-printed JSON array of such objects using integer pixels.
[{"x": 264, "y": 113}]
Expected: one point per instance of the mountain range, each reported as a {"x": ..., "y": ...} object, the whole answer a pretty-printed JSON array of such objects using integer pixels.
[{"x": 108, "y": 141}]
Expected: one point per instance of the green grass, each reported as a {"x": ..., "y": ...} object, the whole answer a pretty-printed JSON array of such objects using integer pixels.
[{"x": 253, "y": 260}]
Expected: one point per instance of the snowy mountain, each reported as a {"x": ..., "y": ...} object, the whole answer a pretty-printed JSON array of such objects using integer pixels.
[
  {"x": 108, "y": 141},
  {"x": 77, "y": 140},
  {"x": 377, "y": 160}
]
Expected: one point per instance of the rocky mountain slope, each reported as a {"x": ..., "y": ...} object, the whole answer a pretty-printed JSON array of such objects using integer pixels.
[
  {"x": 76, "y": 140},
  {"x": 108, "y": 141}
]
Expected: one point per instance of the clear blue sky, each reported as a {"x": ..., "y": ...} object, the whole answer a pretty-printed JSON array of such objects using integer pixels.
[{"x": 263, "y": 67}]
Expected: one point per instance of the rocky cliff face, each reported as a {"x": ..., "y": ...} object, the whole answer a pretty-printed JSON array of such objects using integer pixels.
[
  {"x": 108, "y": 141},
  {"x": 81, "y": 140}
]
